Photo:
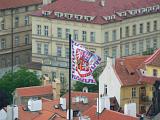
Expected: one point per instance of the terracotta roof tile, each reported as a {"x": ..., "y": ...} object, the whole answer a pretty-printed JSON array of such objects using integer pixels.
[
  {"x": 106, "y": 115},
  {"x": 92, "y": 98},
  {"x": 34, "y": 90},
  {"x": 128, "y": 68},
  {"x": 6, "y": 4},
  {"x": 94, "y": 8},
  {"x": 154, "y": 59}
]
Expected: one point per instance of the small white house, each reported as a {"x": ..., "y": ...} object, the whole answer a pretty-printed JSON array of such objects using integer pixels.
[{"x": 109, "y": 83}]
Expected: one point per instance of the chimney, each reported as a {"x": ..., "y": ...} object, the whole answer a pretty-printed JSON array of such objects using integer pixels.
[
  {"x": 102, "y": 3},
  {"x": 100, "y": 104},
  {"x": 3, "y": 114},
  {"x": 63, "y": 103},
  {"x": 34, "y": 105},
  {"x": 71, "y": 114},
  {"x": 110, "y": 61},
  {"x": 12, "y": 111},
  {"x": 56, "y": 88},
  {"x": 130, "y": 109},
  {"x": 107, "y": 102}
]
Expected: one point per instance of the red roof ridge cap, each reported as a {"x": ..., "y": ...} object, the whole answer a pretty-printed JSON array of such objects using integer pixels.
[
  {"x": 33, "y": 87},
  {"x": 151, "y": 58}
]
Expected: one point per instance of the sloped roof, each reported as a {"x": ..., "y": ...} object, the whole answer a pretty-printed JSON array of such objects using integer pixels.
[
  {"x": 85, "y": 8},
  {"x": 34, "y": 90},
  {"x": 106, "y": 115},
  {"x": 92, "y": 100},
  {"x": 7, "y": 4},
  {"x": 47, "y": 111},
  {"x": 154, "y": 59},
  {"x": 128, "y": 69}
]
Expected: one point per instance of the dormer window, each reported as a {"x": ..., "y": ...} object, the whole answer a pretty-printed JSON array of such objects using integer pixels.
[
  {"x": 46, "y": 13},
  {"x": 88, "y": 18},
  {"x": 58, "y": 14},
  {"x": 155, "y": 72},
  {"x": 78, "y": 17},
  {"x": 68, "y": 16},
  {"x": 112, "y": 17}
]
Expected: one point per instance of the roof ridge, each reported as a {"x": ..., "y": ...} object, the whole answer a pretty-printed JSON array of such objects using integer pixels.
[{"x": 40, "y": 86}]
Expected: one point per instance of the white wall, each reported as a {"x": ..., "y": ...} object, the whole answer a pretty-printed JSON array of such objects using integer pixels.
[{"x": 109, "y": 78}]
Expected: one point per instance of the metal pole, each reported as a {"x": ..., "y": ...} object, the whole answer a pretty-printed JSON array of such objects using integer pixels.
[
  {"x": 70, "y": 59},
  {"x": 12, "y": 57}
]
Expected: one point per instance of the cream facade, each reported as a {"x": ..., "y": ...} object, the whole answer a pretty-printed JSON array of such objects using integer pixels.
[
  {"x": 15, "y": 27},
  {"x": 51, "y": 29}
]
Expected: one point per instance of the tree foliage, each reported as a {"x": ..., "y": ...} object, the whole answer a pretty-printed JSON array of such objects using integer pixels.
[
  {"x": 91, "y": 87},
  {"x": 149, "y": 51},
  {"x": 20, "y": 78}
]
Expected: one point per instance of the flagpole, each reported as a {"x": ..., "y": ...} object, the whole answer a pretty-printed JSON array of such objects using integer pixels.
[{"x": 70, "y": 59}]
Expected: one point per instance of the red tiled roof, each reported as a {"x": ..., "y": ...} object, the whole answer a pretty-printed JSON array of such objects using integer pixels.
[
  {"x": 47, "y": 111},
  {"x": 107, "y": 115},
  {"x": 34, "y": 90},
  {"x": 6, "y": 4},
  {"x": 154, "y": 59},
  {"x": 82, "y": 7},
  {"x": 128, "y": 69},
  {"x": 92, "y": 98}
]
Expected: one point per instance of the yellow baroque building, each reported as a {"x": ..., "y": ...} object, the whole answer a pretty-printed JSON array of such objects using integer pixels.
[{"x": 130, "y": 80}]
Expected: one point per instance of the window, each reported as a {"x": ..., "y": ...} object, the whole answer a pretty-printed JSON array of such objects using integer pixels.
[
  {"x": 16, "y": 21},
  {"x": 106, "y": 53},
  {"x": 46, "y": 48},
  {"x": 3, "y": 44},
  {"x": 92, "y": 36},
  {"x": 126, "y": 49},
  {"x": 114, "y": 52},
  {"x": 59, "y": 32},
  {"x": 75, "y": 34},
  {"x": 39, "y": 48},
  {"x": 120, "y": 33},
  {"x": 141, "y": 46},
  {"x": 148, "y": 43},
  {"x": 134, "y": 32},
  {"x": 45, "y": 30},
  {"x": 155, "y": 25},
  {"x": 106, "y": 37},
  {"x": 26, "y": 20},
  {"x": 155, "y": 72},
  {"x": 105, "y": 89},
  {"x": 2, "y": 25},
  {"x": 59, "y": 50},
  {"x": 38, "y": 29},
  {"x": 62, "y": 77},
  {"x": 84, "y": 36},
  {"x": 113, "y": 35},
  {"x": 134, "y": 48},
  {"x": 67, "y": 53},
  {"x": 141, "y": 28},
  {"x": 127, "y": 31},
  {"x": 3, "y": 62},
  {"x": 53, "y": 75},
  {"x": 155, "y": 43},
  {"x": 148, "y": 26},
  {"x": 67, "y": 33},
  {"x": 133, "y": 92},
  {"x": 16, "y": 41},
  {"x": 26, "y": 39},
  {"x": 17, "y": 60}
]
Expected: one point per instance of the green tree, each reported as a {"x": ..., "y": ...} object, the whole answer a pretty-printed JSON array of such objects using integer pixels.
[
  {"x": 91, "y": 87},
  {"x": 149, "y": 51},
  {"x": 20, "y": 78}
]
